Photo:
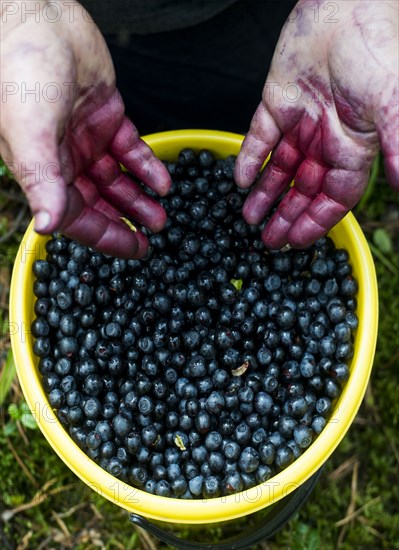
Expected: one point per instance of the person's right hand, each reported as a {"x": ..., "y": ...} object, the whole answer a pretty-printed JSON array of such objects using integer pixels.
[{"x": 63, "y": 131}]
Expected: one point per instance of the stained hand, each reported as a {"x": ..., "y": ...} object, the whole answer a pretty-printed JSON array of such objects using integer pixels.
[
  {"x": 329, "y": 102},
  {"x": 63, "y": 132}
]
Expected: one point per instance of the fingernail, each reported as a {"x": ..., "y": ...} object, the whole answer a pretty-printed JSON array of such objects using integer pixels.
[{"x": 42, "y": 221}]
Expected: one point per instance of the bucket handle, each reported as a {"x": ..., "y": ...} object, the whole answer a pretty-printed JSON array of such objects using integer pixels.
[{"x": 280, "y": 513}]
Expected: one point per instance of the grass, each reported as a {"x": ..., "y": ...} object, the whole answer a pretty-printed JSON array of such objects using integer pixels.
[{"x": 354, "y": 506}]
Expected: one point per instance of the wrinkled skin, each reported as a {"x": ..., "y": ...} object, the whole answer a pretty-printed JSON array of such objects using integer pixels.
[
  {"x": 329, "y": 102},
  {"x": 65, "y": 143}
]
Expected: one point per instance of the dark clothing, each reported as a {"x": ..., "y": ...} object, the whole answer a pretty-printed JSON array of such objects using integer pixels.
[
  {"x": 151, "y": 16},
  {"x": 207, "y": 75}
]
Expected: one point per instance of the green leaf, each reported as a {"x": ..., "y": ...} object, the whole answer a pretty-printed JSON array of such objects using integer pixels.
[
  {"x": 24, "y": 408},
  {"x": 7, "y": 375},
  {"x": 237, "y": 283},
  {"x": 375, "y": 170},
  {"x": 27, "y": 419},
  {"x": 382, "y": 240},
  {"x": 13, "y": 411}
]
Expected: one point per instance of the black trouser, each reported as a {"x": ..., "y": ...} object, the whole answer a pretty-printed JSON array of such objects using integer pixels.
[{"x": 210, "y": 75}]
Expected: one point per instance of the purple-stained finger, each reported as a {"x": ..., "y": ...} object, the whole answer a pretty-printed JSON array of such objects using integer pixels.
[
  {"x": 309, "y": 177},
  {"x": 125, "y": 194},
  {"x": 92, "y": 198},
  {"x": 127, "y": 147},
  {"x": 93, "y": 228},
  {"x": 273, "y": 181},
  {"x": 308, "y": 183},
  {"x": 262, "y": 137},
  {"x": 322, "y": 214},
  {"x": 275, "y": 233}
]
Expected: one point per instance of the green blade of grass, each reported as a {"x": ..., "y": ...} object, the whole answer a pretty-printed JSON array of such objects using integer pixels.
[
  {"x": 383, "y": 259},
  {"x": 375, "y": 169},
  {"x": 7, "y": 375}
]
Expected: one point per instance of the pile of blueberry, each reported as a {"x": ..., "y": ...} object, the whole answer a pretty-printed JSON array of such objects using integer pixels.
[{"x": 209, "y": 366}]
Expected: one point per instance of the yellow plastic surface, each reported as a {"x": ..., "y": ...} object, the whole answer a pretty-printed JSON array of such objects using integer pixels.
[{"x": 346, "y": 234}]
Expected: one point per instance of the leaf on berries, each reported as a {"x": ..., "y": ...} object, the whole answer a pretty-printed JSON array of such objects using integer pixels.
[
  {"x": 239, "y": 371},
  {"x": 179, "y": 442},
  {"x": 237, "y": 283}
]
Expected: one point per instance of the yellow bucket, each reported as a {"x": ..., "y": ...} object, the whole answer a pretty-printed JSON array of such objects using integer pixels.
[{"x": 346, "y": 234}]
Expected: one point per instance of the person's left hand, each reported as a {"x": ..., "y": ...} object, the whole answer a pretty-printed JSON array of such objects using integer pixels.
[{"x": 330, "y": 100}]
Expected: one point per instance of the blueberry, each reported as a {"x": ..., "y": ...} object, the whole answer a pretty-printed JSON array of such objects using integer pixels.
[
  {"x": 285, "y": 317},
  {"x": 297, "y": 406},
  {"x": 42, "y": 306},
  {"x": 258, "y": 436},
  {"x": 138, "y": 476},
  {"x": 75, "y": 416},
  {"x": 68, "y": 325},
  {"x": 92, "y": 408},
  {"x": 121, "y": 425},
  {"x": 242, "y": 433},
  {"x": 196, "y": 366},
  {"x": 327, "y": 346},
  {"x": 263, "y": 473},
  {"x": 41, "y": 269},
  {"x": 233, "y": 483},
  {"x": 40, "y": 327},
  {"x": 249, "y": 460},
  {"x": 93, "y": 440},
  {"x": 64, "y": 298},
  {"x": 267, "y": 453},
  {"x": 284, "y": 456},
  {"x": 42, "y": 346},
  {"x": 203, "y": 422},
  {"x": 286, "y": 426},
  {"x": 213, "y": 441},
  {"x": 330, "y": 288},
  {"x": 332, "y": 388},
  {"x": 303, "y": 436},
  {"x": 340, "y": 372},
  {"x": 342, "y": 332},
  {"x": 352, "y": 320},
  {"x": 67, "y": 383},
  {"x": 216, "y": 462},
  {"x": 82, "y": 295},
  {"x": 179, "y": 486},
  {"x": 56, "y": 398},
  {"x": 214, "y": 403},
  {"x": 146, "y": 405},
  {"x": 318, "y": 424},
  {"x": 348, "y": 286},
  {"x": 41, "y": 289},
  {"x": 336, "y": 310},
  {"x": 228, "y": 293},
  {"x": 211, "y": 487},
  {"x": 323, "y": 406},
  {"x": 196, "y": 484}
]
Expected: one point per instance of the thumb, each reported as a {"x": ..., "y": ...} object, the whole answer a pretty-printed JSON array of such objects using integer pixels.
[{"x": 35, "y": 163}]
